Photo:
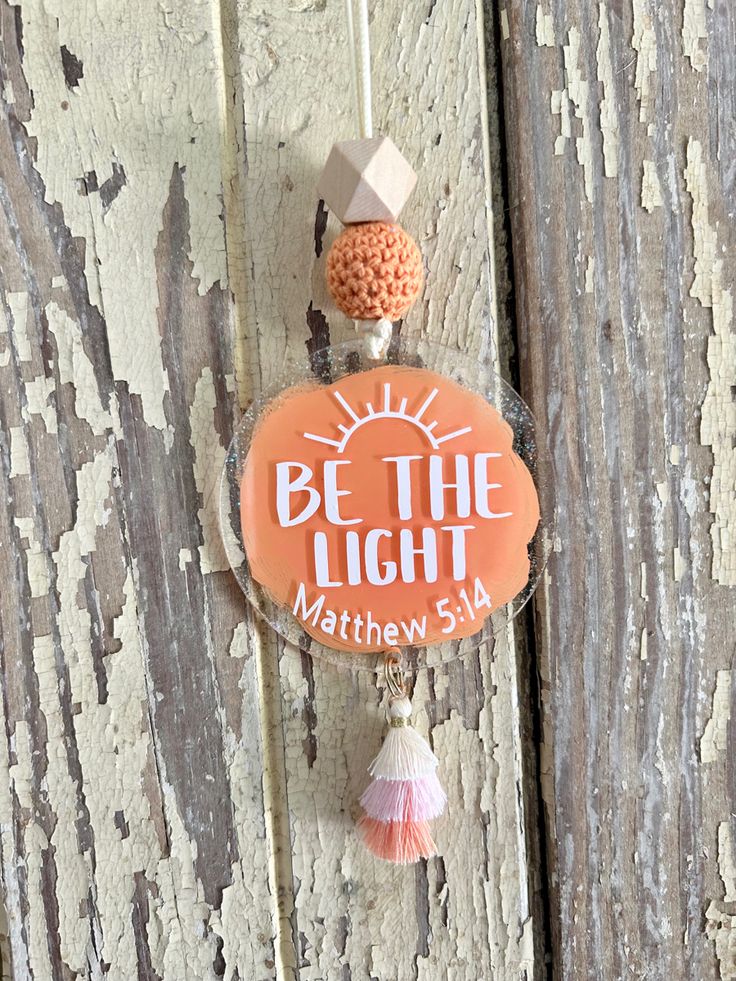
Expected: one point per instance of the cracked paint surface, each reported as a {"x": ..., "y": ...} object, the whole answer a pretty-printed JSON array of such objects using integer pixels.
[
  {"x": 164, "y": 122},
  {"x": 626, "y": 327},
  {"x": 714, "y": 742},
  {"x": 152, "y": 124},
  {"x": 719, "y": 407},
  {"x": 100, "y": 855},
  {"x": 160, "y": 802}
]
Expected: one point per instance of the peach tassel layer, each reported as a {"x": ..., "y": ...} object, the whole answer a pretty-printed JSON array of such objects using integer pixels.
[{"x": 404, "y": 794}]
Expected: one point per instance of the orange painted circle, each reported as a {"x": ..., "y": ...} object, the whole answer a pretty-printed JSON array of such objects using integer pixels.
[{"x": 388, "y": 508}]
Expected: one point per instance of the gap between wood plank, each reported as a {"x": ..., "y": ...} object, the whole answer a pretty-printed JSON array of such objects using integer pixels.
[
  {"x": 274, "y": 784},
  {"x": 528, "y": 673}
]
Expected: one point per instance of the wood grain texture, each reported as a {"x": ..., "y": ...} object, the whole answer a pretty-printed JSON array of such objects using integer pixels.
[
  {"x": 621, "y": 159},
  {"x": 176, "y": 790},
  {"x": 133, "y": 831}
]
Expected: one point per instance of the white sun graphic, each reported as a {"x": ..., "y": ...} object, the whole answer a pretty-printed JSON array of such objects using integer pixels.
[{"x": 415, "y": 418}]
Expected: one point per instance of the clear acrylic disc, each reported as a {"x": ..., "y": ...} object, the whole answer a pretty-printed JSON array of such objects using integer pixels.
[{"x": 325, "y": 368}]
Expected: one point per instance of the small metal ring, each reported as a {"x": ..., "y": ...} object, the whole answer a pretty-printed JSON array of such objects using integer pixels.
[{"x": 394, "y": 673}]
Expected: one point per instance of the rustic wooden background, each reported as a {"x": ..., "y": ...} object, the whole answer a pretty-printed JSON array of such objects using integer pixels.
[{"x": 177, "y": 792}]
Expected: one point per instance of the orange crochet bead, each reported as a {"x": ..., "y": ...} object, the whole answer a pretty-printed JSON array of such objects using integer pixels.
[{"x": 374, "y": 270}]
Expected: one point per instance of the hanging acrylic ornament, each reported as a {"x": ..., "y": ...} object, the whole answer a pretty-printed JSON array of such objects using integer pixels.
[
  {"x": 373, "y": 505},
  {"x": 385, "y": 494}
]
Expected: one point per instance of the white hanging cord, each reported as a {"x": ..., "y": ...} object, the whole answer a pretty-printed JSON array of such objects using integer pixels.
[
  {"x": 377, "y": 333},
  {"x": 365, "y": 68},
  {"x": 360, "y": 65},
  {"x": 354, "y": 83}
]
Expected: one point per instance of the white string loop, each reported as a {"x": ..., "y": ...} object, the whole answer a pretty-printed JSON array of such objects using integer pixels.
[{"x": 377, "y": 335}]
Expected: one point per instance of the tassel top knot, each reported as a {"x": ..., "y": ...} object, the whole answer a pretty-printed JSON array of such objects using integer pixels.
[{"x": 399, "y": 711}]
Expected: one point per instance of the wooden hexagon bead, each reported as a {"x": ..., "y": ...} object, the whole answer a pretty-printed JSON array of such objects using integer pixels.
[{"x": 366, "y": 180}]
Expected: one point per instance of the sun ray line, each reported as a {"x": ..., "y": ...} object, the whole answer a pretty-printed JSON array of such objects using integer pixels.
[
  {"x": 387, "y": 397},
  {"x": 427, "y": 402},
  {"x": 458, "y": 432},
  {"x": 323, "y": 439},
  {"x": 346, "y": 405}
]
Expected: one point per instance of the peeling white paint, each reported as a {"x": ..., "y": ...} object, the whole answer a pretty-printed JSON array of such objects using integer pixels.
[
  {"x": 115, "y": 735},
  {"x": 20, "y": 464},
  {"x": 560, "y": 106},
  {"x": 246, "y": 952},
  {"x": 36, "y": 558},
  {"x": 177, "y": 940},
  {"x": 115, "y": 752},
  {"x": 72, "y": 870},
  {"x": 166, "y": 115},
  {"x": 651, "y": 190},
  {"x": 38, "y": 392},
  {"x": 209, "y": 459},
  {"x": 76, "y": 368},
  {"x": 705, "y": 239},
  {"x": 718, "y": 422},
  {"x": 720, "y": 927},
  {"x": 75, "y": 629},
  {"x": 677, "y": 564},
  {"x": 644, "y": 42},
  {"x": 693, "y": 32},
  {"x": 609, "y": 119},
  {"x": 11, "y": 865},
  {"x": 727, "y": 861},
  {"x": 239, "y": 643},
  {"x": 545, "y": 28},
  {"x": 590, "y": 275},
  {"x": 20, "y": 772},
  {"x": 714, "y": 741},
  {"x": 574, "y": 100},
  {"x": 18, "y": 303},
  {"x": 39, "y": 957}
]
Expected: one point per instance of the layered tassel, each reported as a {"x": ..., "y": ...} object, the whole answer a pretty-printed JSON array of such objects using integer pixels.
[{"x": 404, "y": 793}]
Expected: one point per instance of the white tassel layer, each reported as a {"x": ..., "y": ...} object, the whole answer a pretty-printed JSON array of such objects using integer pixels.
[{"x": 405, "y": 755}]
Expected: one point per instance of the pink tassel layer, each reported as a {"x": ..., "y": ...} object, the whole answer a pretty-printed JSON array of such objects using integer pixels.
[
  {"x": 402, "y": 842},
  {"x": 422, "y": 799}
]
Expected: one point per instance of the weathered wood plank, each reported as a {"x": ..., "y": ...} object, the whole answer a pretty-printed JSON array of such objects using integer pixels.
[
  {"x": 621, "y": 147},
  {"x": 176, "y": 791},
  {"x": 470, "y": 911},
  {"x": 133, "y": 832}
]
